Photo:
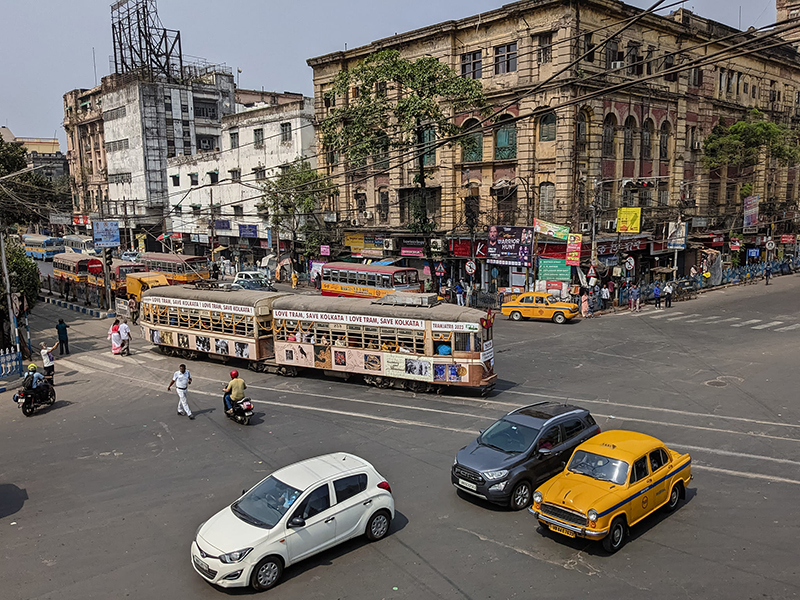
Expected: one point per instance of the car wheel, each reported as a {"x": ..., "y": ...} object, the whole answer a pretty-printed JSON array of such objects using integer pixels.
[
  {"x": 559, "y": 318},
  {"x": 378, "y": 526},
  {"x": 674, "y": 498},
  {"x": 521, "y": 496},
  {"x": 267, "y": 573},
  {"x": 516, "y": 316},
  {"x": 616, "y": 536}
]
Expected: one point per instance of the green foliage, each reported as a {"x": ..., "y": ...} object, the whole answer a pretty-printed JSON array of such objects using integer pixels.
[
  {"x": 23, "y": 273},
  {"x": 746, "y": 190},
  {"x": 395, "y": 97},
  {"x": 742, "y": 144},
  {"x": 292, "y": 198},
  {"x": 12, "y": 158}
]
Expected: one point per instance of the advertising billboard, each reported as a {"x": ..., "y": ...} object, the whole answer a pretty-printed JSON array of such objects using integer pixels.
[
  {"x": 751, "y": 211},
  {"x": 509, "y": 246},
  {"x": 106, "y": 234},
  {"x": 629, "y": 220}
]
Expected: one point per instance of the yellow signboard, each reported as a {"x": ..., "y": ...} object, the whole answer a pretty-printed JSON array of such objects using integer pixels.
[
  {"x": 629, "y": 220},
  {"x": 354, "y": 240}
]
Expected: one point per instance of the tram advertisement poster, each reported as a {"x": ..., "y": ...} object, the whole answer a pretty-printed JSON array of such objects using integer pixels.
[
  {"x": 450, "y": 373},
  {"x": 509, "y": 246},
  {"x": 404, "y": 367}
]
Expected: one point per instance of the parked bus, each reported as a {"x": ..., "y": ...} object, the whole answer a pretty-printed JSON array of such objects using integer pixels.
[
  {"x": 80, "y": 244},
  {"x": 367, "y": 281},
  {"x": 118, "y": 274},
  {"x": 177, "y": 268},
  {"x": 76, "y": 267},
  {"x": 390, "y": 342},
  {"x": 42, "y": 247}
]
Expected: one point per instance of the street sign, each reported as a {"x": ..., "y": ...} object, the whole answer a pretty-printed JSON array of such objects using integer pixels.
[
  {"x": 630, "y": 263},
  {"x": 770, "y": 245},
  {"x": 106, "y": 234},
  {"x": 592, "y": 272},
  {"x": 471, "y": 267},
  {"x": 440, "y": 270}
]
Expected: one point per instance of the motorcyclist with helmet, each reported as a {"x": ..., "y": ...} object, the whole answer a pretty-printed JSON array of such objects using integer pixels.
[
  {"x": 33, "y": 381},
  {"x": 234, "y": 391}
]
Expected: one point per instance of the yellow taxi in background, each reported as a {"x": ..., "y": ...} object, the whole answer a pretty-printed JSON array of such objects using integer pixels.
[
  {"x": 539, "y": 305},
  {"x": 613, "y": 480}
]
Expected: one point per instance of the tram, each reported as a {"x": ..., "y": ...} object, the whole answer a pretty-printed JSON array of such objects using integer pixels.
[
  {"x": 42, "y": 247},
  {"x": 397, "y": 341}
]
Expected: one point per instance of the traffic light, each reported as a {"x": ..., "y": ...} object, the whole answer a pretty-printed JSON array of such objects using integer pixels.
[{"x": 109, "y": 257}]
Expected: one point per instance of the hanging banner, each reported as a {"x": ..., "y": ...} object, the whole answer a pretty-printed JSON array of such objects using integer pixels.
[
  {"x": 509, "y": 246},
  {"x": 629, "y": 220},
  {"x": 785, "y": 239},
  {"x": 574, "y": 249},
  {"x": 676, "y": 240},
  {"x": 735, "y": 245},
  {"x": 751, "y": 211},
  {"x": 554, "y": 270},
  {"x": 354, "y": 240},
  {"x": 557, "y": 231}
]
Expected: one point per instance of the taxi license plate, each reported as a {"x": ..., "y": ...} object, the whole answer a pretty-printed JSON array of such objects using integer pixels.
[
  {"x": 468, "y": 484},
  {"x": 202, "y": 565},
  {"x": 562, "y": 531}
]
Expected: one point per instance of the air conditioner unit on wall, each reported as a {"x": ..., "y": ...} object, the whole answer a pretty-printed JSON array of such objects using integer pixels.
[
  {"x": 355, "y": 222},
  {"x": 330, "y": 217},
  {"x": 618, "y": 64},
  {"x": 368, "y": 215},
  {"x": 585, "y": 227},
  {"x": 437, "y": 245},
  {"x": 388, "y": 244},
  {"x": 611, "y": 225}
]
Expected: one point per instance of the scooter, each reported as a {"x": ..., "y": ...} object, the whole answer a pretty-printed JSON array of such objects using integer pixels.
[
  {"x": 31, "y": 399},
  {"x": 242, "y": 410}
]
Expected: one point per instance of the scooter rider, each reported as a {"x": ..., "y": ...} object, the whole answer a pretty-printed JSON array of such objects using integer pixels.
[
  {"x": 234, "y": 391},
  {"x": 33, "y": 380}
]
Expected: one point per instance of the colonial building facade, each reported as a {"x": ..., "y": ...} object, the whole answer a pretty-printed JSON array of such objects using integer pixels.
[{"x": 568, "y": 152}]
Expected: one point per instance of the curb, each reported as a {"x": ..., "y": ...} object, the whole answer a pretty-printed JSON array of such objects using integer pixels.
[{"x": 91, "y": 312}]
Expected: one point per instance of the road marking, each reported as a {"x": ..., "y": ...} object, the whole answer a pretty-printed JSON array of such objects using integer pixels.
[
  {"x": 784, "y": 461},
  {"x": 657, "y": 408},
  {"x": 148, "y": 355},
  {"x": 731, "y": 319},
  {"x": 750, "y": 322},
  {"x": 683, "y": 317},
  {"x": 105, "y": 363},
  {"x": 73, "y": 366},
  {"x": 743, "y": 474},
  {"x": 666, "y": 314},
  {"x": 705, "y": 320},
  {"x": 789, "y": 327},
  {"x": 768, "y": 325}
]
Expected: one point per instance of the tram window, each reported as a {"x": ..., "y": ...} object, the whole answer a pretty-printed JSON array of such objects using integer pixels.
[
  {"x": 443, "y": 348},
  {"x": 371, "y": 279},
  {"x": 405, "y": 341},
  {"x": 352, "y": 277},
  {"x": 419, "y": 342},
  {"x": 371, "y": 338},
  {"x": 355, "y": 338},
  {"x": 323, "y": 333},
  {"x": 462, "y": 342},
  {"x": 305, "y": 333}
]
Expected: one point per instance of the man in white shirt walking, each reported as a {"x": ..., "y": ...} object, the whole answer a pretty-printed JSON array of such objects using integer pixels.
[
  {"x": 125, "y": 336},
  {"x": 182, "y": 379}
]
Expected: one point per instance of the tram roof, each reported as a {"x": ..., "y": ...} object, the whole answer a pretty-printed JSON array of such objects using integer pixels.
[
  {"x": 365, "y": 306},
  {"x": 220, "y": 296}
]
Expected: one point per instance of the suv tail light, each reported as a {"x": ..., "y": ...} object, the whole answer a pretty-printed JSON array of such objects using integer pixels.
[{"x": 384, "y": 485}]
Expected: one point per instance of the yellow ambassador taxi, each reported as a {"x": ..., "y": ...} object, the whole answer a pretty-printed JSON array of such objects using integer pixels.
[
  {"x": 613, "y": 481},
  {"x": 539, "y": 305}
]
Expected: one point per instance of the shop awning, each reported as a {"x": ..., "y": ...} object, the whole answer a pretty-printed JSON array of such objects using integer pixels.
[{"x": 219, "y": 249}]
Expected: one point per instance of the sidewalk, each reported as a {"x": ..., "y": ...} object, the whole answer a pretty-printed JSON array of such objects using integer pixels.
[{"x": 85, "y": 310}]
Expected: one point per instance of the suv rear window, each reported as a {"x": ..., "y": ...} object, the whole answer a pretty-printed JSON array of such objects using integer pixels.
[
  {"x": 572, "y": 428},
  {"x": 348, "y": 487}
]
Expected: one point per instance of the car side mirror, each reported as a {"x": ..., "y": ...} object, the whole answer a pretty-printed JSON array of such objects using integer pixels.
[
  {"x": 481, "y": 431},
  {"x": 297, "y": 522},
  {"x": 544, "y": 452},
  {"x": 244, "y": 492}
]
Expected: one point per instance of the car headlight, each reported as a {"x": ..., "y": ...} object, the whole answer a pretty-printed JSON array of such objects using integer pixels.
[
  {"x": 592, "y": 514},
  {"x": 495, "y": 475},
  {"x": 537, "y": 497},
  {"x": 234, "y": 557}
]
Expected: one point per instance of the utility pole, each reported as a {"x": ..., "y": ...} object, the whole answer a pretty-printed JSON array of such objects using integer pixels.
[
  {"x": 12, "y": 320},
  {"x": 594, "y": 221},
  {"x": 127, "y": 240},
  {"x": 212, "y": 222}
]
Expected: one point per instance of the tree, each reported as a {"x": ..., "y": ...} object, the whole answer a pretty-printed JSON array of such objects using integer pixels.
[
  {"x": 397, "y": 104},
  {"x": 292, "y": 200}
]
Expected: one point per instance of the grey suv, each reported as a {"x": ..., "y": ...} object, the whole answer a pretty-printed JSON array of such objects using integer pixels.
[{"x": 524, "y": 448}]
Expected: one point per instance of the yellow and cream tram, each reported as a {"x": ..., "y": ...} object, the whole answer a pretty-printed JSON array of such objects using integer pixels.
[{"x": 392, "y": 342}]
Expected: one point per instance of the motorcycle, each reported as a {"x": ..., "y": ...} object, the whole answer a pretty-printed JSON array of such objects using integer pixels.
[
  {"x": 31, "y": 399},
  {"x": 242, "y": 410}
]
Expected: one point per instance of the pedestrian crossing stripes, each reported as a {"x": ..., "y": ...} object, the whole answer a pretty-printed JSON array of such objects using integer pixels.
[
  {"x": 699, "y": 320},
  {"x": 730, "y": 319},
  {"x": 105, "y": 363},
  {"x": 768, "y": 325},
  {"x": 73, "y": 366},
  {"x": 789, "y": 327},
  {"x": 665, "y": 314},
  {"x": 683, "y": 317},
  {"x": 148, "y": 356},
  {"x": 746, "y": 323}
]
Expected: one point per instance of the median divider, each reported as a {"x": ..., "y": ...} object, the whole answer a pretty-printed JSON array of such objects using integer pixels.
[{"x": 85, "y": 310}]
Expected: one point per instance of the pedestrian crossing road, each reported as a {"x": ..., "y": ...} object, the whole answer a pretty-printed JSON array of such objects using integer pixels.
[{"x": 739, "y": 322}]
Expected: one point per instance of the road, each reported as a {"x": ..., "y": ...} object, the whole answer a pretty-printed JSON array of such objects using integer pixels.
[{"x": 100, "y": 496}]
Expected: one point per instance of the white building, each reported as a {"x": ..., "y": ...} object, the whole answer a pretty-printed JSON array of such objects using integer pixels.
[{"x": 214, "y": 196}]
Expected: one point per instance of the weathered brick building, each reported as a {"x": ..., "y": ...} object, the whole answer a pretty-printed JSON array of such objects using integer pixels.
[{"x": 638, "y": 147}]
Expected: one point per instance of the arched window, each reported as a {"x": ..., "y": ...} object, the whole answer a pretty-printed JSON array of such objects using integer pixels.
[
  {"x": 663, "y": 141},
  {"x": 547, "y": 201},
  {"x": 472, "y": 143},
  {"x": 547, "y": 128},
  {"x": 609, "y": 134},
  {"x": 647, "y": 140},
  {"x": 630, "y": 127},
  {"x": 505, "y": 139}
]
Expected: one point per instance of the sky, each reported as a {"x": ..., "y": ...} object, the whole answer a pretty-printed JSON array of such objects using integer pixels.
[{"x": 49, "y": 44}]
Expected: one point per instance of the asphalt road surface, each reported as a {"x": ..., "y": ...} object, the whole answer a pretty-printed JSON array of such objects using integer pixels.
[{"x": 100, "y": 496}]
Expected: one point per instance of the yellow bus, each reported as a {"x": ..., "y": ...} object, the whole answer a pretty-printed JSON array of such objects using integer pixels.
[
  {"x": 352, "y": 280},
  {"x": 118, "y": 274},
  {"x": 177, "y": 268},
  {"x": 391, "y": 342},
  {"x": 76, "y": 267}
]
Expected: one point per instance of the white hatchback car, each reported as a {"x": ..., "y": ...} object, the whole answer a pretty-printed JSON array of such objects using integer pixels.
[{"x": 294, "y": 513}]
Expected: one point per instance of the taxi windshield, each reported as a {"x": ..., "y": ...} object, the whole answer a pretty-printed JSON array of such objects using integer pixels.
[{"x": 599, "y": 467}]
